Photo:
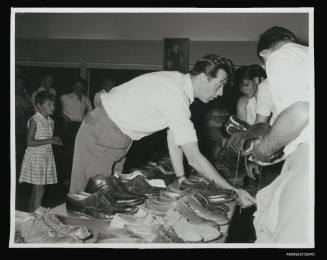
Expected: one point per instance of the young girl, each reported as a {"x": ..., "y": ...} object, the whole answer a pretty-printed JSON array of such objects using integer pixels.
[{"x": 38, "y": 167}]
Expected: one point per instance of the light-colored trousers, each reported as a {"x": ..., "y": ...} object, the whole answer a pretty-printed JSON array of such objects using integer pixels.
[
  {"x": 100, "y": 148},
  {"x": 282, "y": 214}
]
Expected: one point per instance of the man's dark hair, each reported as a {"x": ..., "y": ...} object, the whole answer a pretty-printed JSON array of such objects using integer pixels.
[
  {"x": 109, "y": 78},
  {"x": 43, "y": 96},
  {"x": 79, "y": 79},
  {"x": 210, "y": 64},
  {"x": 248, "y": 72},
  {"x": 272, "y": 36},
  {"x": 48, "y": 75}
]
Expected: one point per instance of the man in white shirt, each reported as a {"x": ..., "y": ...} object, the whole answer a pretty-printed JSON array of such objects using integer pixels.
[
  {"x": 74, "y": 107},
  {"x": 107, "y": 84},
  {"x": 46, "y": 84},
  {"x": 142, "y": 106},
  {"x": 282, "y": 214}
]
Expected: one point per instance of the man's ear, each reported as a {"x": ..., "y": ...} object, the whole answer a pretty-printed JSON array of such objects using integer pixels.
[
  {"x": 202, "y": 77},
  {"x": 264, "y": 53}
]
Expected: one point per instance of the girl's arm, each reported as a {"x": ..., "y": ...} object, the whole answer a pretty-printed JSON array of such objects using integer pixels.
[
  {"x": 241, "y": 112},
  {"x": 31, "y": 136}
]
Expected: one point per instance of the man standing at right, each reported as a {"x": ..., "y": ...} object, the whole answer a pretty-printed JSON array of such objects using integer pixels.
[{"x": 282, "y": 214}]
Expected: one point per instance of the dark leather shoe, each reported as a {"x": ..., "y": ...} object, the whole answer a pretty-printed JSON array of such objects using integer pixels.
[
  {"x": 110, "y": 186},
  {"x": 123, "y": 199},
  {"x": 96, "y": 183},
  {"x": 139, "y": 186},
  {"x": 96, "y": 206}
]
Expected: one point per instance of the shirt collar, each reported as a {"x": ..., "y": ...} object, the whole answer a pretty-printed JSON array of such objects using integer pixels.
[
  {"x": 75, "y": 96},
  {"x": 188, "y": 87}
]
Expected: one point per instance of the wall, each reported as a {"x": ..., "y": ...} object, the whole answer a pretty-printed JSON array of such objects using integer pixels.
[
  {"x": 150, "y": 26},
  {"x": 134, "y": 40},
  {"x": 137, "y": 53}
]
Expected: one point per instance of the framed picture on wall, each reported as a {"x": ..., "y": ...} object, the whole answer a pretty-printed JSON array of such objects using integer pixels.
[{"x": 176, "y": 54}]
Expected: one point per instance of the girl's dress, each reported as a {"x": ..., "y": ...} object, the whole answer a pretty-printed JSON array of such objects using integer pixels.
[{"x": 38, "y": 165}]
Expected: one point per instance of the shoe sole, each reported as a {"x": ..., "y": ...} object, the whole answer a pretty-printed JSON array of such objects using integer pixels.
[{"x": 80, "y": 214}]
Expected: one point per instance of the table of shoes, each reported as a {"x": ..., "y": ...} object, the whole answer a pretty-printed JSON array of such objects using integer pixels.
[{"x": 148, "y": 205}]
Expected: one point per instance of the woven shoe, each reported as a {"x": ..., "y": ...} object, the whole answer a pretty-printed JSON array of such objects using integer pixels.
[{"x": 78, "y": 232}]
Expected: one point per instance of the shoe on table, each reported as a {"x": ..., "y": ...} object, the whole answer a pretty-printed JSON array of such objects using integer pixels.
[
  {"x": 121, "y": 220},
  {"x": 95, "y": 183},
  {"x": 79, "y": 232},
  {"x": 140, "y": 186},
  {"x": 34, "y": 229},
  {"x": 111, "y": 186},
  {"x": 118, "y": 235},
  {"x": 166, "y": 234},
  {"x": 190, "y": 232},
  {"x": 157, "y": 207},
  {"x": 98, "y": 206},
  {"x": 194, "y": 201},
  {"x": 177, "y": 211}
]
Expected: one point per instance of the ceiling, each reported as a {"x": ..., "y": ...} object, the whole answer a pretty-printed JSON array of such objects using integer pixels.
[{"x": 156, "y": 26}]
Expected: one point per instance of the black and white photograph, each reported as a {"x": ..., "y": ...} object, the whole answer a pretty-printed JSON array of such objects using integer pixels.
[{"x": 162, "y": 128}]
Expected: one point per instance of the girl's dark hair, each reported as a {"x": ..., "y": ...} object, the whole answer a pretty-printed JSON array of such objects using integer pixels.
[
  {"x": 43, "y": 96},
  {"x": 210, "y": 64},
  {"x": 248, "y": 72},
  {"x": 272, "y": 36}
]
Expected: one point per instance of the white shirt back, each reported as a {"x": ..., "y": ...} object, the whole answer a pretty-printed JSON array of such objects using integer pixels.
[
  {"x": 288, "y": 75},
  {"x": 152, "y": 102},
  {"x": 265, "y": 104}
]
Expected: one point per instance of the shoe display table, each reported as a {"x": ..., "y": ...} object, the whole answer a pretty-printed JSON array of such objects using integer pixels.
[{"x": 97, "y": 225}]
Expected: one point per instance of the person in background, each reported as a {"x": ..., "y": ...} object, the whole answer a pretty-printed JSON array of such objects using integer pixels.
[
  {"x": 107, "y": 84},
  {"x": 46, "y": 84},
  {"x": 74, "y": 106},
  {"x": 23, "y": 106},
  {"x": 142, "y": 106},
  {"x": 38, "y": 167},
  {"x": 256, "y": 105},
  {"x": 283, "y": 207},
  {"x": 23, "y": 111}
]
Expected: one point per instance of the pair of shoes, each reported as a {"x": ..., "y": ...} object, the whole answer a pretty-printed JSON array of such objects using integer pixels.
[
  {"x": 139, "y": 185},
  {"x": 78, "y": 232},
  {"x": 34, "y": 229},
  {"x": 190, "y": 228},
  {"x": 195, "y": 202},
  {"x": 216, "y": 195},
  {"x": 111, "y": 186},
  {"x": 207, "y": 189},
  {"x": 98, "y": 206}
]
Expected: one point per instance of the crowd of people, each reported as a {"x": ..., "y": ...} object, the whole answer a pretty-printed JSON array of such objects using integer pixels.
[{"x": 98, "y": 139}]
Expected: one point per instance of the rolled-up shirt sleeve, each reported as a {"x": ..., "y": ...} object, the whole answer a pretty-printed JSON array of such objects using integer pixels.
[{"x": 175, "y": 109}]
